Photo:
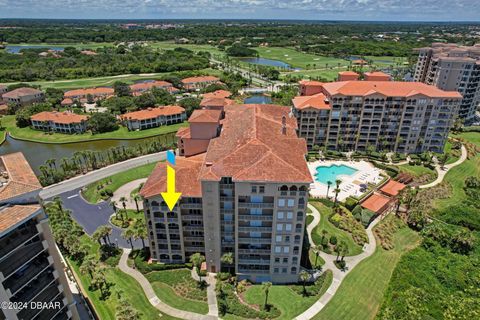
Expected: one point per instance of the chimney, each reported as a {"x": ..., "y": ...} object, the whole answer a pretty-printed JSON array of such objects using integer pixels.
[{"x": 284, "y": 125}]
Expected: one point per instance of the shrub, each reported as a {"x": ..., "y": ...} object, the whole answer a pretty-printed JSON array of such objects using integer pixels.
[
  {"x": 223, "y": 276},
  {"x": 333, "y": 240},
  {"x": 350, "y": 203}
]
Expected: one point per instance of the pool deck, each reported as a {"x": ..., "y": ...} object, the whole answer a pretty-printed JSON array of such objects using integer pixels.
[{"x": 350, "y": 185}]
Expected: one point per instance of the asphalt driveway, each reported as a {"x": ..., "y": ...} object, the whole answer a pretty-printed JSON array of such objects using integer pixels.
[{"x": 91, "y": 216}]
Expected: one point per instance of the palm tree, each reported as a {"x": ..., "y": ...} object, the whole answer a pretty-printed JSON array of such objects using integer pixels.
[
  {"x": 58, "y": 203},
  {"x": 114, "y": 206},
  {"x": 88, "y": 265},
  {"x": 317, "y": 253},
  {"x": 140, "y": 231},
  {"x": 329, "y": 183},
  {"x": 443, "y": 159},
  {"x": 227, "y": 258},
  {"x": 304, "y": 276},
  {"x": 137, "y": 198},
  {"x": 266, "y": 288},
  {"x": 52, "y": 163},
  {"x": 337, "y": 189},
  {"x": 123, "y": 200},
  {"x": 128, "y": 234},
  {"x": 197, "y": 259}
]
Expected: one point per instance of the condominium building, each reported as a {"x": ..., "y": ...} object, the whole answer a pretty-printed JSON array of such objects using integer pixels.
[
  {"x": 3, "y": 89},
  {"x": 31, "y": 272},
  {"x": 407, "y": 117},
  {"x": 197, "y": 83},
  {"x": 452, "y": 67},
  {"x": 63, "y": 122},
  {"x": 153, "y": 117},
  {"x": 142, "y": 87},
  {"x": 247, "y": 194},
  {"x": 23, "y": 96},
  {"x": 95, "y": 93}
]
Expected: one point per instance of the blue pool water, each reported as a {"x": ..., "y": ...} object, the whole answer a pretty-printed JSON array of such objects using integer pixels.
[{"x": 330, "y": 173}]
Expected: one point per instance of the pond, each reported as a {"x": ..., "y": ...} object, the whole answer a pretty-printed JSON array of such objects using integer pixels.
[
  {"x": 258, "y": 99},
  {"x": 267, "y": 62},
  {"x": 16, "y": 49},
  {"x": 37, "y": 153}
]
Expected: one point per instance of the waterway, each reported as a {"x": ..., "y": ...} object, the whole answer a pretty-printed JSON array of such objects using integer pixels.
[
  {"x": 267, "y": 62},
  {"x": 16, "y": 49},
  {"x": 258, "y": 99},
  {"x": 37, "y": 153}
]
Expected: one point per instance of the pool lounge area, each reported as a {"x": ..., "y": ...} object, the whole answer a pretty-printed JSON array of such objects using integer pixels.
[{"x": 355, "y": 177}]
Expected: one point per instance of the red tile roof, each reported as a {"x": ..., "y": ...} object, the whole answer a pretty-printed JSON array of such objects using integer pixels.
[
  {"x": 59, "y": 117},
  {"x": 317, "y": 101},
  {"x": 376, "y": 203},
  {"x": 387, "y": 88},
  {"x": 183, "y": 132},
  {"x": 377, "y": 76},
  {"x": 310, "y": 83},
  {"x": 92, "y": 91},
  {"x": 348, "y": 73},
  {"x": 186, "y": 177},
  {"x": 215, "y": 101},
  {"x": 392, "y": 188},
  {"x": 20, "y": 92},
  {"x": 66, "y": 102},
  {"x": 11, "y": 216},
  {"x": 19, "y": 175},
  {"x": 200, "y": 79},
  {"x": 217, "y": 94},
  {"x": 205, "y": 116},
  {"x": 151, "y": 113},
  {"x": 252, "y": 147},
  {"x": 142, "y": 86}
]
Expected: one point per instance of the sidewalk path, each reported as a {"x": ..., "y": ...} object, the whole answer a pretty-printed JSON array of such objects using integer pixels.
[
  {"x": 211, "y": 295},
  {"x": 442, "y": 172},
  {"x": 125, "y": 191},
  {"x": 338, "y": 275},
  {"x": 152, "y": 297}
]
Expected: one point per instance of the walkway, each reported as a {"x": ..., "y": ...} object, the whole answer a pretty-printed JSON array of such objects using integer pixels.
[
  {"x": 152, "y": 297},
  {"x": 211, "y": 294},
  {"x": 443, "y": 171},
  {"x": 338, "y": 275},
  {"x": 92, "y": 176},
  {"x": 125, "y": 191}
]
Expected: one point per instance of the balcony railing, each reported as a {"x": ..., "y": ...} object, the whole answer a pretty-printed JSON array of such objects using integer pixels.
[
  {"x": 15, "y": 239},
  {"x": 254, "y": 251},
  {"x": 191, "y": 205},
  {"x": 262, "y": 217},
  {"x": 255, "y": 205},
  {"x": 35, "y": 287},
  {"x": 254, "y": 261},
  {"x": 254, "y": 240},
  {"x": 255, "y": 229},
  {"x": 21, "y": 257}
]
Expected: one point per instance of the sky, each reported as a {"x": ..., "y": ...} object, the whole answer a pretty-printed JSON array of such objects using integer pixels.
[{"x": 380, "y": 10}]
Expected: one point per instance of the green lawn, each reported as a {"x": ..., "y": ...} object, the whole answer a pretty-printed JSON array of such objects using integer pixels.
[
  {"x": 313, "y": 257},
  {"x": 91, "y": 194},
  {"x": 299, "y": 59},
  {"x": 122, "y": 132},
  {"x": 418, "y": 171},
  {"x": 88, "y": 45},
  {"x": 361, "y": 293},
  {"x": 325, "y": 224},
  {"x": 290, "y": 303},
  {"x": 106, "y": 81},
  {"x": 123, "y": 284},
  {"x": 178, "y": 289},
  {"x": 454, "y": 155},
  {"x": 328, "y": 74}
]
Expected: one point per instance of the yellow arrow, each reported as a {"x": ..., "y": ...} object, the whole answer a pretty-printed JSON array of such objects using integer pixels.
[{"x": 171, "y": 197}]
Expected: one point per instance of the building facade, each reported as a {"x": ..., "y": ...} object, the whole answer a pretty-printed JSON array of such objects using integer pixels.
[
  {"x": 198, "y": 83},
  {"x": 454, "y": 68},
  {"x": 406, "y": 117},
  {"x": 23, "y": 96},
  {"x": 31, "y": 271},
  {"x": 153, "y": 117},
  {"x": 63, "y": 122},
  {"x": 95, "y": 93},
  {"x": 246, "y": 195}
]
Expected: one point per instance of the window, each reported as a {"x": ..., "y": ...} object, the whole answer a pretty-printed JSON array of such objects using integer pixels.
[
  {"x": 255, "y": 223},
  {"x": 291, "y": 202},
  {"x": 278, "y": 238},
  {"x": 279, "y": 227},
  {"x": 280, "y": 215},
  {"x": 261, "y": 189},
  {"x": 281, "y": 202},
  {"x": 275, "y": 270},
  {"x": 284, "y": 270},
  {"x": 285, "y": 260},
  {"x": 254, "y": 189},
  {"x": 278, "y": 249},
  {"x": 288, "y": 227},
  {"x": 289, "y": 215},
  {"x": 228, "y": 217},
  {"x": 286, "y": 249},
  {"x": 256, "y": 211},
  {"x": 256, "y": 199},
  {"x": 287, "y": 238},
  {"x": 255, "y": 234}
]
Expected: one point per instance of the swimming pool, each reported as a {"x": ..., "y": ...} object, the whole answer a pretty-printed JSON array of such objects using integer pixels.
[{"x": 324, "y": 174}]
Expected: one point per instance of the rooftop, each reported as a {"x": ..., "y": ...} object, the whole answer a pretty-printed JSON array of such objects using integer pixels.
[
  {"x": 12, "y": 216},
  {"x": 16, "y": 176},
  {"x": 215, "y": 101},
  {"x": 387, "y": 88},
  {"x": 376, "y": 203},
  {"x": 203, "y": 115},
  {"x": 217, "y": 94},
  {"x": 317, "y": 101},
  {"x": 92, "y": 91},
  {"x": 392, "y": 188},
  {"x": 59, "y": 117},
  {"x": 149, "y": 85},
  {"x": 21, "y": 92},
  {"x": 153, "y": 113},
  {"x": 348, "y": 73},
  {"x": 310, "y": 83},
  {"x": 200, "y": 79}
]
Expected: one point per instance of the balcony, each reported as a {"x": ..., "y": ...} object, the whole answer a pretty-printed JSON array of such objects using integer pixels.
[
  {"x": 254, "y": 229},
  {"x": 194, "y": 238},
  {"x": 21, "y": 257},
  {"x": 192, "y": 228},
  {"x": 47, "y": 295},
  {"x": 27, "y": 273},
  {"x": 27, "y": 293},
  {"x": 262, "y": 217},
  {"x": 254, "y": 240},
  {"x": 254, "y": 251},
  {"x": 254, "y": 261},
  {"x": 195, "y": 249},
  {"x": 16, "y": 238},
  {"x": 245, "y": 270},
  {"x": 192, "y": 217},
  {"x": 191, "y": 205},
  {"x": 268, "y": 205}
]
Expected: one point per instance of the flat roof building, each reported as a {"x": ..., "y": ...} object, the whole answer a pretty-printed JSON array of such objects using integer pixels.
[
  {"x": 30, "y": 266},
  {"x": 246, "y": 195}
]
